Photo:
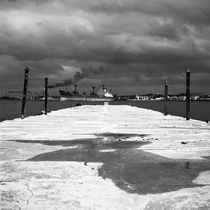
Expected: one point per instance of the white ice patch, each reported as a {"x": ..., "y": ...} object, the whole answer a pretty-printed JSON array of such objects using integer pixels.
[
  {"x": 176, "y": 154},
  {"x": 107, "y": 150},
  {"x": 203, "y": 178},
  {"x": 71, "y": 147}
]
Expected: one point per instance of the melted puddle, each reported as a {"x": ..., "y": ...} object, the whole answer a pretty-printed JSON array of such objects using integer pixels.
[{"x": 132, "y": 170}]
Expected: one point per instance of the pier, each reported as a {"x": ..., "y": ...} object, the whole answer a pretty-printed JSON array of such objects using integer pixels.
[{"x": 105, "y": 157}]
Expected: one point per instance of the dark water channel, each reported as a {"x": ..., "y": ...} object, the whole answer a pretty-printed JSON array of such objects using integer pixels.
[
  {"x": 10, "y": 109},
  {"x": 132, "y": 170}
]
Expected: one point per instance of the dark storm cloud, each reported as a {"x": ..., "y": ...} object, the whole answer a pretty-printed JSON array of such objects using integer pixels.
[
  {"x": 125, "y": 44},
  {"x": 193, "y": 11}
]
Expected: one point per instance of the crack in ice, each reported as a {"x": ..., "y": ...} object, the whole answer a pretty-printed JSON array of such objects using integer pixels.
[{"x": 28, "y": 188}]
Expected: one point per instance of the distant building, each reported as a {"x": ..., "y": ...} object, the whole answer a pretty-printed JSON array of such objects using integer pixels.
[{"x": 204, "y": 98}]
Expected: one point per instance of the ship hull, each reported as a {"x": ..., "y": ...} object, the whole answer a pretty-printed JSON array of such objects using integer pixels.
[{"x": 102, "y": 99}]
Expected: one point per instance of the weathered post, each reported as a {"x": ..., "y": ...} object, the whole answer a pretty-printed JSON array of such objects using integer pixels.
[
  {"x": 166, "y": 98},
  {"x": 24, "y": 92},
  {"x": 187, "y": 165},
  {"x": 188, "y": 94},
  {"x": 46, "y": 96},
  {"x": 93, "y": 90}
]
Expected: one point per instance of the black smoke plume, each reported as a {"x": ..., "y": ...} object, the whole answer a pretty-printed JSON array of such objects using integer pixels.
[{"x": 70, "y": 81}]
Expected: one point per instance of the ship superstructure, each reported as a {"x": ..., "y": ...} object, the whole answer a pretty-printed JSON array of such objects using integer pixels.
[{"x": 101, "y": 95}]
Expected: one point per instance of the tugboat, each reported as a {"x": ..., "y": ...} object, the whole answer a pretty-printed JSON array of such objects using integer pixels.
[{"x": 101, "y": 95}]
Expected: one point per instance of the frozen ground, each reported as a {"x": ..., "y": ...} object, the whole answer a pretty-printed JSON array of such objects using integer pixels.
[{"x": 104, "y": 157}]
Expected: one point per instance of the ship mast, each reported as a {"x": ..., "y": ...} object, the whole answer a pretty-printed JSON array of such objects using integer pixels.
[
  {"x": 93, "y": 93},
  {"x": 75, "y": 89}
]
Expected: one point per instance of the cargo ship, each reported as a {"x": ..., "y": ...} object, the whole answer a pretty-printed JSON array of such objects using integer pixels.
[{"x": 102, "y": 95}]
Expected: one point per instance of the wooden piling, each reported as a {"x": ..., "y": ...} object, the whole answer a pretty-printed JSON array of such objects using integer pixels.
[
  {"x": 187, "y": 165},
  {"x": 93, "y": 90},
  {"x": 46, "y": 96},
  {"x": 24, "y": 92},
  {"x": 188, "y": 94},
  {"x": 166, "y": 98}
]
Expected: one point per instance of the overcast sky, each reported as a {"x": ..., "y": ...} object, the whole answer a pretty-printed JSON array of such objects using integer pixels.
[{"x": 128, "y": 45}]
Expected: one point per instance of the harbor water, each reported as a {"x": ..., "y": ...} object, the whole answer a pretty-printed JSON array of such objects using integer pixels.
[{"x": 10, "y": 109}]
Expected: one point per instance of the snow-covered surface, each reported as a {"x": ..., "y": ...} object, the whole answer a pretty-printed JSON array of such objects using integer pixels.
[
  {"x": 107, "y": 150},
  {"x": 75, "y": 185}
]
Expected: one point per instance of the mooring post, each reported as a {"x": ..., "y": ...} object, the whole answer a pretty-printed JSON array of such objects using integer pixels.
[
  {"x": 46, "y": 96},
  {"x": 166, "y": 98},
  {"x": 187, "y": 165},
  {"x": 188, "y": 94},
  {"x": 24, "y": 92}
]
